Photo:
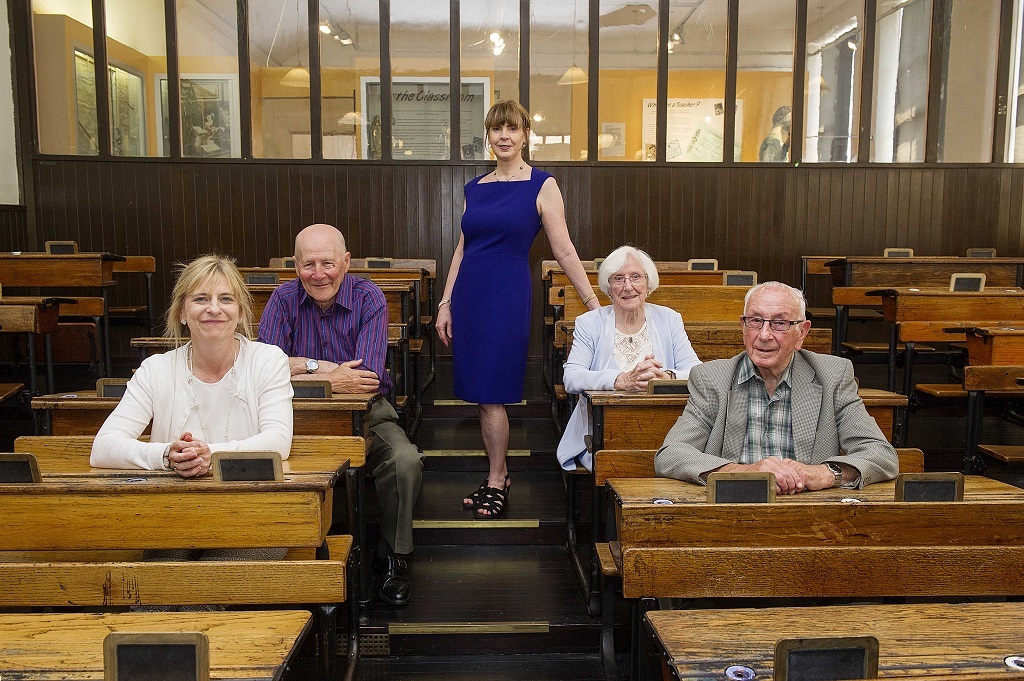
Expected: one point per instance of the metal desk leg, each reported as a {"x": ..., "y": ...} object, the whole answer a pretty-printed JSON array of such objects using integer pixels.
[
  {"x": 31, "y": 364},
  {"x": 107, "y": 363},
  {"x": 973, "y": 463},
  {"x": 150, "y": 306},
  {"x": 894, "y": 334},
  {"x": 48, "y": 358},
  {"x": 355, "y": 486},
  {"x": 842, "y": 323}
]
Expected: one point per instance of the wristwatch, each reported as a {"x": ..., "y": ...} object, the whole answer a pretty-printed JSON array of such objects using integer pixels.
[
  {"x": 311, "y": 366},
  {"x": 837, "y": 471},
  {"x": 166, "y": 460}
]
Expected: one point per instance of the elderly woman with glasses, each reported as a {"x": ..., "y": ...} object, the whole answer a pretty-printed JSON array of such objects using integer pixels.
[{"x": 621, "y": 346}]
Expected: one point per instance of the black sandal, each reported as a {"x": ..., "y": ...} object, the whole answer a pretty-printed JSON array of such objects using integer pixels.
[
  {"x": 474, "y": 498},
  {"x": 493, "y": 501}
]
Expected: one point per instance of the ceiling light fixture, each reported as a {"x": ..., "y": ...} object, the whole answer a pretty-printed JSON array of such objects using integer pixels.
[{"x": 573, "y": 75}]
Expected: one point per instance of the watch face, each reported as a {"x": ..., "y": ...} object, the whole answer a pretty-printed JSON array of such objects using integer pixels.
[{"x": 312, "y": 365}]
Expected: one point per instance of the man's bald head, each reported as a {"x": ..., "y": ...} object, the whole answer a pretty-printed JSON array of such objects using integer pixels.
[
  {"x": 319, "y": 237},
  {"x": 321, "y": 262}
]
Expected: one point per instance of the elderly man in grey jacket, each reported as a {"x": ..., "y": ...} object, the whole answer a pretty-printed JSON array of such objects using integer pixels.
[{"x": 777, "y": 408}]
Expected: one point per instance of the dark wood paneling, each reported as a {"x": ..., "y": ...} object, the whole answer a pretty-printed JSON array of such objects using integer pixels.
[
  {"x": 13, "y": 227},
  {"x": 748, "y": 217}
]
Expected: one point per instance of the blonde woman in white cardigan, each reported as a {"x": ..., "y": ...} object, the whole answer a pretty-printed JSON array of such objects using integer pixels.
[
  {"x": 217, "y": 391},
  {"x": 621, "y": 346}
]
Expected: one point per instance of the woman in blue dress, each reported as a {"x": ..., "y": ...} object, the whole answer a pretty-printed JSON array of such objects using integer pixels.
[{"x": 484, "y": 313}]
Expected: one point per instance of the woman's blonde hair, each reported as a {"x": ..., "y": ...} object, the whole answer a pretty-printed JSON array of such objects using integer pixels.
[
  {"x": 507, "y": 111},
  {"x": 195, "y": 274}
]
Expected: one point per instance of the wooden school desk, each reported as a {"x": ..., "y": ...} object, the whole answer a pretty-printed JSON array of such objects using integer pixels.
[
  {"x": 75, "y": 270},
  {"x": 33, "y": 316},
  {"x": 915, "y": 640},
  {"x": 243, "y": 645}
]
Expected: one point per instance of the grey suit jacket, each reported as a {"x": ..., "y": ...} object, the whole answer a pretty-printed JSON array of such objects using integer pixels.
[{"x": 830, "y": 422}]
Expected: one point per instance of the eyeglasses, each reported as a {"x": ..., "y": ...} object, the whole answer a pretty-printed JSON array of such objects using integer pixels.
[
  {"x": 620, "y": 279},
  {"x": 773, "y": 324}
]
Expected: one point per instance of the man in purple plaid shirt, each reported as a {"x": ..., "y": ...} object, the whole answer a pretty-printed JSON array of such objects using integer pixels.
[{"x": 334, "y": 326}]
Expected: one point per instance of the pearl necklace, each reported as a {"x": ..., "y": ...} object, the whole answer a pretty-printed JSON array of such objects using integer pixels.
[
  {"x": 509, "y": 178},
  {"x": 234, "y": 384}
]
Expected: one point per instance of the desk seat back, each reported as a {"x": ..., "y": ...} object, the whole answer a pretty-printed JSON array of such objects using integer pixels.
[{"x": 70, "y": 453}]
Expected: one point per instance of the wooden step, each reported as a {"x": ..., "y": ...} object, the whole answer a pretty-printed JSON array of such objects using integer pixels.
[{"x": 1006, "y": 453}]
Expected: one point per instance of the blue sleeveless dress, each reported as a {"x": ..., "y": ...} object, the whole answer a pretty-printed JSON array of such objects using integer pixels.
[{"x": 491, "y": 301}]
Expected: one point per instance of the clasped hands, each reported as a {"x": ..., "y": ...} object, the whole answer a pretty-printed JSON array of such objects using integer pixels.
[
  {"x": 189, "y": 457},
  {"x": 646, "y": 370},
  {"x": 791, "y": 476}
]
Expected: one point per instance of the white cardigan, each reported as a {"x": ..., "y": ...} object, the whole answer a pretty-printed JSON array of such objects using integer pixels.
[
  {"x": 261, "y": 413},
  {"x": 591, "y": 366}
]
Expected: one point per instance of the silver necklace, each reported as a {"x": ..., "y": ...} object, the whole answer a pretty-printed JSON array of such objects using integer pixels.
[
  {"x": 234, "y": 385},
  {"x": 509, "y": 178}
]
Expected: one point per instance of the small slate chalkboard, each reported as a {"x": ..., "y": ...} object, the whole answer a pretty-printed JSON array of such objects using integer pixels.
[
  {"x": 930, "y": 487},
  {"x": 981, "y": 252},
  {"x": 288, "y": 263},
  {"x": 61, "y": 247},
  {"x": 741, "y": 488},
  {"x": 702, "y": 264},
  {"x": 739, "y": 278},
  {"x": 826, "y": 659},
  {"x": 667, "y": 387},
  {"x": 19, "y": 467},
  {"x": 111, "y": 387},
  {"x": 898, "y": 253},
  {"x": 312, "y": 389},
  {"x": 598, "y": 262},
  {"x": 246, "y": 466},
  {"x": 262, "y": 278},
  {"x": 967, "y": 281},
  {"x": 379, "y": 263},
  {"x": 156, "y": 657}
]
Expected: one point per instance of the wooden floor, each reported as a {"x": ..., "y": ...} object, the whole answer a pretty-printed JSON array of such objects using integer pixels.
[{"x": 498, "y": 600}]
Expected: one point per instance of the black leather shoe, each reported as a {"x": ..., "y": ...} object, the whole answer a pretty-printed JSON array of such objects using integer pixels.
[{"x": 394, "y": 587}]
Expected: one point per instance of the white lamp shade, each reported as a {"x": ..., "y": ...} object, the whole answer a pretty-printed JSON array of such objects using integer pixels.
[
  {"x": 573, "y": 75},
  {"x": 297, "y": 77}
]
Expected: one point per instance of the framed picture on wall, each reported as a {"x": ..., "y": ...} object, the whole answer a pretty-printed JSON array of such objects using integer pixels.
[{"x": 209, "y": 115}]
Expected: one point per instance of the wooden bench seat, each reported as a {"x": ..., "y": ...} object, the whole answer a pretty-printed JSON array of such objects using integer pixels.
[
  {"x": 862, "y": 347},
  {"x": 9, "y": 390},
  {"x": 947, "y": 390},
  {"x": 1010, "y": 454}
]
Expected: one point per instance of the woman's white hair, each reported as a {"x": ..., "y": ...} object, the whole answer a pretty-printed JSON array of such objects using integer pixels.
[
  {"x": 616, "y": 260},
  {"x": 796, "y": 294}
]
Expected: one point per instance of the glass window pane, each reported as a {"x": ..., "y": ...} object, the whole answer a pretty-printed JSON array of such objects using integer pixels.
[
  {"x": 764, "y": 79},
  {"x": 1015, "y": 122},
  {"x": 629, "y": 75},
  {"x": 208, "y": 64},
  {"x": 902, "y": 44},
  {"x": 559, "y": 60},
  {"x": 349, "y": 55},
  {"x": 65, "y": 76},
  {"x": 967, "y": 98},
  {"x": 279, "y": 74},
  {"x": 136, "y": 54},
  {"x": 832, "y": 85},
  {"x": 420, "y": 70},
  {"x": 490, "y": 64},
  {"x": 696, "y": 81}
]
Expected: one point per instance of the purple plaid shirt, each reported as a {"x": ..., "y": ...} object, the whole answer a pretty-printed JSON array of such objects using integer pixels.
[{"x": 355, "y": 326}]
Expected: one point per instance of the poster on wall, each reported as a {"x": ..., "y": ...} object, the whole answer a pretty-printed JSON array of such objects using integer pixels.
[
  {"x": 210, "y": 126},
  {"x": 695, "y": 130},
  {"x": 421, "y": 111}
]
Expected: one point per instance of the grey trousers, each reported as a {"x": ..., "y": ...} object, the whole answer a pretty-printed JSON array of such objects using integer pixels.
[{"x": 397, "y": 468}]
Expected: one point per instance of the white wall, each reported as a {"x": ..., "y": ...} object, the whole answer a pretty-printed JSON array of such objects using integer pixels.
[{"x": 10, "y": 192}]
